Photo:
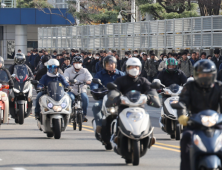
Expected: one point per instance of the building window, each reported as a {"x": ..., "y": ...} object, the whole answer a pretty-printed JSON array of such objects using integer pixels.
[{"x": 32, "y": 44}]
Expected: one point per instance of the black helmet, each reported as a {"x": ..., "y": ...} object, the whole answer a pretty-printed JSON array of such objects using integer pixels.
[
  {"x": 19, "y": 58},
  {"x": 171, "y": 62},
  {"x": 109, "y": 59},
  {"x": 77, "y": 59},
  {"x": 208, "y": 70},
  {"x": 45, "y": 58}
]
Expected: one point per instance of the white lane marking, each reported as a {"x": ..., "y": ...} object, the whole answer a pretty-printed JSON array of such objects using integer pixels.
[{"x": 19, "y": 168}]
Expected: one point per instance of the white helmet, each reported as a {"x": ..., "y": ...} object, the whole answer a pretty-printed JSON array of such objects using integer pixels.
[
  {"x": 133, "y": 62},
  {"x": 52, "y": 66}
]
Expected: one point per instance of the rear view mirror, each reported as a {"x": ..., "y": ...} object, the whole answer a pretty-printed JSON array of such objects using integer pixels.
[
  {"x": 156, "y": 84},
  {"x": 13, "y": 75},
  {"x": 111, "y": 86},
  {"x": 35, "y": 82},
  {"x": 96, "y": 81}
]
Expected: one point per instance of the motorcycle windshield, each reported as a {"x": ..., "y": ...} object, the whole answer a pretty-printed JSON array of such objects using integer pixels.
[
  {"x": 133, "y": 96},
  {"x": 56, "y": 90},
  {"x": 174, "y": 88},
  {"x": 21, "y": 73},
  {"x": 3, "y": 76}
]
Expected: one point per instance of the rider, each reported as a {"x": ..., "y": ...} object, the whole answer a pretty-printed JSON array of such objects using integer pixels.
[
  {"x": 171, "y": 75},
  {"x": 52, "y": 75},
  {"x": 132, "y": 81},
  {"x": 79, "y": 75},
  {"x": 201, "y": 94},
  {"x": 20, "y": 59},
  {"x": 11, "y": 83},
  {"x": 108, "y": 74}
]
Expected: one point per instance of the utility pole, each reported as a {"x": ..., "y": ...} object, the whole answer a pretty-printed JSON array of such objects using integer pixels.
[
  {"x": 133, "y": 6},
  {"x": 77, "y": 10}
]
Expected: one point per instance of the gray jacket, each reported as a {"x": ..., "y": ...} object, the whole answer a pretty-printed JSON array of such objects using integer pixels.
[
  {"x": 83, "y": 76},
  {"x": 186, "y": 67},
  {"x": 162, "y": 66}
]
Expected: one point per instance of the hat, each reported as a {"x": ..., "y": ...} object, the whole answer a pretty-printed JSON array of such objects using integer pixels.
[
  {"x": 54, "y": 51},
  {"x": 72, "y": 50}
]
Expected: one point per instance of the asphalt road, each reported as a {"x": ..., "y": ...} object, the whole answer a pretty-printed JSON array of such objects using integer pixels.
[{"x": 24, "y": 147}]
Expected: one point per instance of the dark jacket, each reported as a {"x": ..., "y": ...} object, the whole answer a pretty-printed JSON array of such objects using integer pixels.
[
  {"x": 87, "y": 64},
  {"x": 43, "y": 71},
  {"x": 99, "y": 66},
  {"x": 94, "y": 61},
  {"x": 119, "y": 64},
  {"x": 11, "y": 83},
  {"x": 105, "y": 78},
  {"x": 167, "y": 78},
  {"x": 37, "y": 59},
  {"x": 143, "y": 73},
  {"x": 64, "y": 66},
  {"x": 193, "y": 61},
  {"x": 123, "y": 68},
  {"x": 32, "y": 60},
  {"x": 123, "y": 61},
  {"x": 217, "y": 62},
  {"x": 198, "y": 99},
  {"x": 46, "y": 79}
]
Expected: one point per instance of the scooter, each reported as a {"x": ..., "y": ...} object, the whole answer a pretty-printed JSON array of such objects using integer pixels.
[
  {"x": 108, "y": 115},
  {"x": 206, "y": 146},
  {"x": 133, "y": 130},
  {"x": 22, "y": 94},
  {"x": 4, "y": 104},
  {"x": 55, "y": 109}
]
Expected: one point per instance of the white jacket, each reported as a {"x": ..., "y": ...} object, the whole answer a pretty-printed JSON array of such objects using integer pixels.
[{"x": 83, "y": 76}]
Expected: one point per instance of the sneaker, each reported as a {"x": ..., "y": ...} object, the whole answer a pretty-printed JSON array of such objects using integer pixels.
[
  {"x": 84, "y": 119},
  {"x": 153, "y": 141},
  {"x": 98, "y": 129}
]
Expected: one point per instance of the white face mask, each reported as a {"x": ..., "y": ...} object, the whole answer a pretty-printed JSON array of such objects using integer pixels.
[
  {"x": 126, "y": 56},
  {"x": 90, "y": 56},
  {"x": 188, "y": 57},
  {"x": 135, "y": 55},
  {"x": 97, "y": 57},
  {"x": 134, "y": 72},
  {"x": 164, "y": 59},
  {"x": 148, "y": 58},
  {"x": 77, "y": 66}
]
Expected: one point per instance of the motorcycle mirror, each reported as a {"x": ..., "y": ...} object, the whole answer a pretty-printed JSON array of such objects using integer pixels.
[
  {"x": 178, "y": 105},
  {"x": 96, "y": 81},
  {"x": 111, "y": 86},
  {"x": 35, "y": 82},
  {"x": 13, "y": 75}
]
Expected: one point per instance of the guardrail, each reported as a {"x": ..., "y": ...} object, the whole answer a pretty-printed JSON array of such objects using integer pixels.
[{"x": 185, "y": 33}]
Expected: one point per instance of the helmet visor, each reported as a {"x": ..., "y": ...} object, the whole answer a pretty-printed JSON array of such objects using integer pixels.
[{"x": 53, "y": 69}]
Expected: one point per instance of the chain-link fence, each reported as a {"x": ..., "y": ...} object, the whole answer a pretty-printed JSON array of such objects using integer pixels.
[{"x": 186, "y": 33}]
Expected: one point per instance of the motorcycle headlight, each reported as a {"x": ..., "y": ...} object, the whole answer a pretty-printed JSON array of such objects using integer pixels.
[
  {"x": 112, "y": 110},
  {"x": 64, "y": 104},
  {"x": 50, "y": 105},
  {"x": 57, "y": 108},
  {"x": 16, "y": 90},
  {"x": 198, "y": 142},
  {"x": 26, "y": 90},
  {"x": 218, "y": 144},
  {"x": 209, "y": 121},
  {"x": 134, "y": 116}
]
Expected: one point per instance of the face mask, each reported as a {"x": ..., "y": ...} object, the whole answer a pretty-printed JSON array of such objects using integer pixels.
[
  {"x": 134, "y": 72},
  {"x": 90, "y": 56},
  {"x": 126, "y": 56},
  {"x": 135, "y": 55},
  {"x": 33, "y": 53},
  {"x": 148, "y": 58},
  {"x": 97, "y": 57},
  {"x": 164, "y": 59},
  {"x": 77, "y": 66},
  {"x": 188, "y": 57}
]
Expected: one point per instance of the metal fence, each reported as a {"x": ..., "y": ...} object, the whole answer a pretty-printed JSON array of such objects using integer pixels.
[{"x": 185, "y": 33}]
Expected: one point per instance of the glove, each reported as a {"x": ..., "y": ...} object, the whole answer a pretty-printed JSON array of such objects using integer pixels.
[{"x": 183, "y": 120}]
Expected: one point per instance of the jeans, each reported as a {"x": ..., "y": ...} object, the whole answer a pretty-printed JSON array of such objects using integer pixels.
[
  {"x": 185, "y": 147},
  {"x": 85, "y": 101},
  {"x": 37, "y": 105},
  {"x": 97, "y": 112}
]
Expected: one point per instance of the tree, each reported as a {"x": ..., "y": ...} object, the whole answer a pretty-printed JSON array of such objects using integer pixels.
[
  {"x": 209, "y": 7},
  {"x": 169, "y": 9},
  {"x": 99, "y": 11},
  {"x": 31, "y": 4}
]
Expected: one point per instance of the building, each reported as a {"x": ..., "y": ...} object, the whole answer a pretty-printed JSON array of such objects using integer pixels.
[{"x": 19, "y": 28}]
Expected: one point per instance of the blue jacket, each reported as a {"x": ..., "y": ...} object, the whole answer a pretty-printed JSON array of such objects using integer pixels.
[
  {"x": 46, "y": 79},
  {"x": 98, "y": 67},
  {"x": 105, "y": 78}
]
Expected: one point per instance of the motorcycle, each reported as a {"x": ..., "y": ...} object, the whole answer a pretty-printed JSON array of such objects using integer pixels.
[
  {"x": 22, "y": 94},
  {"x": 76, "y": 117},
  {"x": 133, "y": 130},
  {"x": 108, "y": 115},
  {"x": 206, "y": 146},
  {"x": 55, "y": 110},
  {"x": 4, "y": 92}
]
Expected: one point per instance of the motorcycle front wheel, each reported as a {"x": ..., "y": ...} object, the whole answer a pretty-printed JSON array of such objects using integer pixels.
[
  {"x": 56, "y": 128},
  {"x": 21, "y": 114},
  {"x": 135, "y": 152},
  {"x": 80, "y": 121}
]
